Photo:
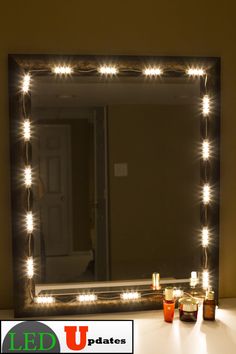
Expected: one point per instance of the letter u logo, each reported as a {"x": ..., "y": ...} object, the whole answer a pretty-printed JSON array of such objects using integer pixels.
[{"x": 71, "y": 337}]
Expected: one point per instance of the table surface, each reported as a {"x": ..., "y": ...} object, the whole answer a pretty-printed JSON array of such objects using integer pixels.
[{"x": 154, "y": 336}]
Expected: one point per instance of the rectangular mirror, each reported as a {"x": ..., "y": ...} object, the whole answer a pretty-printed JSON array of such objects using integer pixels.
[{"x": 115, "y": 176}]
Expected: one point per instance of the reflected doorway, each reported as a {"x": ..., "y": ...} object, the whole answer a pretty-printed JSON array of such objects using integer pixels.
[{"x": 72, "y": 198}]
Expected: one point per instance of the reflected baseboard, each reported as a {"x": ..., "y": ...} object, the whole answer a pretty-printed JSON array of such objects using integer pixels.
[{"x": 67, "y": 288}]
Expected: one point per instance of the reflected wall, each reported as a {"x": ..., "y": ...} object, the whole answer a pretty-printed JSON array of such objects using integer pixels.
[{"x": 151, "y": 133}]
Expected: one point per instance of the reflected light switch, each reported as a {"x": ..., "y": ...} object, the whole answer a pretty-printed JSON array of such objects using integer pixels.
[{"x": 121, "y": 169}]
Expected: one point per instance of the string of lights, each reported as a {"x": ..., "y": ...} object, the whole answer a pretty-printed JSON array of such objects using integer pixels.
[
  {"x": 206, "y": 188},
  {"x": 111, "y": 70},
  {"x": 92, "y": 297}
]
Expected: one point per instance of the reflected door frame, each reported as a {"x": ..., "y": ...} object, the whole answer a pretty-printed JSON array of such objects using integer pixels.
[
  {"x": 54, "y": 159},
  {"x": 99, "y": 205},
  {"x": 102, "y": 258}
]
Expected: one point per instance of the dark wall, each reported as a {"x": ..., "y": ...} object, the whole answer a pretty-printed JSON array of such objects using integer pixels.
[{"x": 154, "y": 211}]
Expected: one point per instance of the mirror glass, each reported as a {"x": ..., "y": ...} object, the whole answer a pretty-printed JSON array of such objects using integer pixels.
[{"x": 117, "y": 177}]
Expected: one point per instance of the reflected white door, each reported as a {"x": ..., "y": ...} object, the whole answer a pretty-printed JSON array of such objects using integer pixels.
[{"x": 55, "y": 185}]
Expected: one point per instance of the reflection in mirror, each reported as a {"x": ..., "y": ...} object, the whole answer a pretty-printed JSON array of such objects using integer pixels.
[{"x": 117, "y": 177}]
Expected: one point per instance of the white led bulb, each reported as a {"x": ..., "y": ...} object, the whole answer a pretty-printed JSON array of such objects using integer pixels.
[
  {"x": 29, "y": 222},
  {"x": 205, "y": 150},
  {"x": 86, "y": 297},
  {"x": 28, "y": 176},
  {"x": 62, "y": 70},
  {"x": 26, "y": 130},
  {"x": 130, "y": 296},
  {"x": 26, "y": 83},
  {"x": 108, "y": 70},
  {"x": 206, "y": 105},
  {"x": 153, "y": 71},
  {"x": 206, "y": 194},
  {"x": 205, "y": 237},
  {"x": 30, "y": 267},
  {"x": 44, "y": 300},
  {"x": 195, "y": 72}
]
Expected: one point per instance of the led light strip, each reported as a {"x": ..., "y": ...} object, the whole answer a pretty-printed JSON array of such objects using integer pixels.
[
  {"x": 26, "y": 135},
  {"x": 91, "y": 298},
  {"x": 206, "y": 188},
  {"x": 108, "y": 70}
]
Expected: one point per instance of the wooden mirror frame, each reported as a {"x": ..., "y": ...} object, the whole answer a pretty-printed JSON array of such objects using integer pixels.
[{"x": 27, "y": 303}]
